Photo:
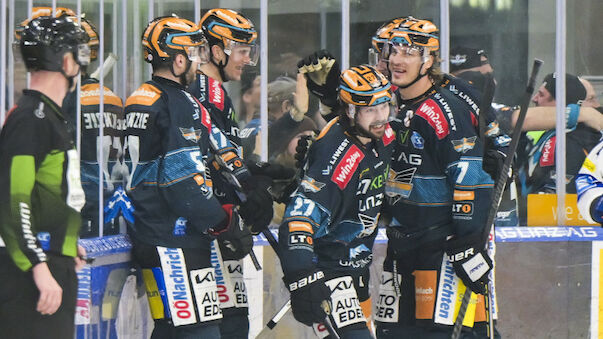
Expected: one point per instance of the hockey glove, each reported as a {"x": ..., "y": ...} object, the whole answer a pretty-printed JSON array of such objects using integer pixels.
[
  {"x": 235, "y": 170},
  {"x": 273, "y": 171},
  {"x": 471, "y": 262},
  {"x": 303, "y": 145},
  {"x": 494, "y": 155},
  {"x": 596, "y": 210},
  {"x": 493, "y": 163},
  {"x": 322, "y": 72},
  {"x": 310, "y": 296},
  {"x": 256, "y": 210},
  {"x": 282, "y": 178},
  {"x": 234, "y": 238}
]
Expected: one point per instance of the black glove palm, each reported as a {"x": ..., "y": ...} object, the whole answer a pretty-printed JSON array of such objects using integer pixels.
[
  {"x": 471, "y": 262},
  {"x": 494, "y": 159},
  {"x": 256, "y": 210},
  {"x": 310, "y": 297}
]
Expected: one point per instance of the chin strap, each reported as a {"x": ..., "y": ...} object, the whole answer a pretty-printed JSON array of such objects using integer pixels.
[
  {"x": 69, "y": 79},
  {"x": 221, "y": 67},
  {"x": 419, "y": 77}
]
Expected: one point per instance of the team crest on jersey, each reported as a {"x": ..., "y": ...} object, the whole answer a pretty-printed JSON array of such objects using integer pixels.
[
  {"x": 347, "y": 166},
  {"x": 311, "y": 185},
  {"x": 431, "y": 112},
  {"x": 548, "y": 153},
  {"x": 417, "y": 140},
  {"x": 399, "y": 184},
  {"x": 464, "y": 145},
  {"x": 216, "y": 94},
  {"x": 190, "y": 134},
  {"x": 389, "y": 135}
]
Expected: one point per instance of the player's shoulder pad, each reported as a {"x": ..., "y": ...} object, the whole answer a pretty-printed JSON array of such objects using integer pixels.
[
  {"x": 90, "y": 95},
  {"x": 145, "y": 95},
  {"x": 436, "y": 111},
  {"x": 337, "y": 156},
  {"x": 327, "y": 128}
]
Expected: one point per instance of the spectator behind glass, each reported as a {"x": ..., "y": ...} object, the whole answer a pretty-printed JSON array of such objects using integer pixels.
[
  {"x": 250, "y": 97},
  {"x": 592, "y": 100},
  {"x": 283, "y": 150},
  {"x": 281, "y": 100},
  {"x": 467, "y": 59},
  {"x": 283, "y": 154},
  {"x": 537, "y": 170}
]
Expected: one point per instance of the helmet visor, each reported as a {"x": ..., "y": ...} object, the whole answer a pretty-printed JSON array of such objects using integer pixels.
[
  {"x": 83, "y": 54},
  {"x": 238, "y": 51},
  {"x": 378, "y": 114},
  {"x": 199, "y": 54},
  {"x": 401, "y": 49},
  {"x": 373, "y": 57}
]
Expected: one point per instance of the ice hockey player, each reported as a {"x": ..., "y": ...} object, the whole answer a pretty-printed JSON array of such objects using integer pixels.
[
  {"x": 330, "y": 224},
  {"x": 112, "y": 142},
  {"x": 589, "y": 184},
  {"x": 169, "y": 134},
  {"x": 438, "y": 197},
  {"x": 40, "y": 189},
  {"x": 233, "y": 45}
]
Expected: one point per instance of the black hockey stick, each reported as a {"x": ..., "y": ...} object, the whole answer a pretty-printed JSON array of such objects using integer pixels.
[
  {"x": 485, "y": 105},
  {"x": 287, "y": 306},
  {"x": 500, "y": 185},
  {"x": 484, "y": 110}
]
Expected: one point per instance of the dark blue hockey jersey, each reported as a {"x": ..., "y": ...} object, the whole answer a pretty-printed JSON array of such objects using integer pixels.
[
  {"x": 437, "y": 186},
  {"x": 169, "y": 135},
  {"x": 215, "y": 99},
  {"x": 331, "y": 220}
]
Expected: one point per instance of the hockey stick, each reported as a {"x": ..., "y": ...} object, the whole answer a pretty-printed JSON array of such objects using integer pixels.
[
  {"x": 106, "y": 67},
  {"x": 287, "y": 306},
  {"x": 485, "y": 105},
  {"x": 239, "y": 191},
  {"x": 500, "y": 186},
  {"x": 484, "y": 109}
]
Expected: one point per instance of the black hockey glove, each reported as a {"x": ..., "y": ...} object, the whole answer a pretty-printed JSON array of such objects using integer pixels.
[
  {"x": 322, "y": 72},
  {"x": 310, "y": 296},
  {"x": 301, "y": 150},
  {"x": 494, "y": 159},
  {"x": 256, "y": 210},
  {"x": 234, "y": 238},
  {"x": 273, "y": 171},
  {"x": 471, "y": 262},
  {"x": 235, "y": 170}
]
